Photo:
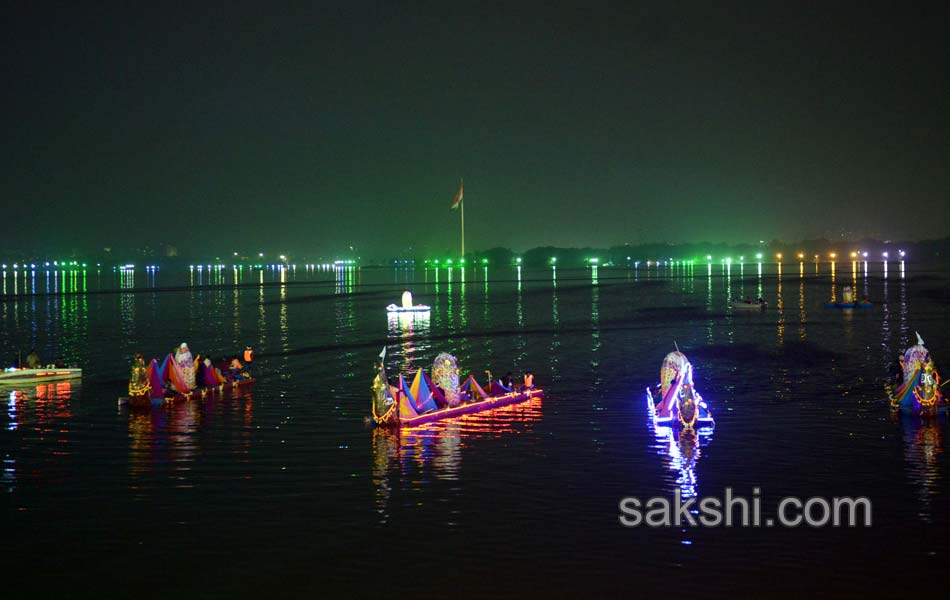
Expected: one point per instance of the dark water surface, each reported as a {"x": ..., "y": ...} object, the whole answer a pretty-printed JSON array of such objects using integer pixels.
[{"x": 285, "y": 490}]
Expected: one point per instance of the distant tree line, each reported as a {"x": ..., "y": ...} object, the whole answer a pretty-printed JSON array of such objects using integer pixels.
[{"x": 923, "y": 251}]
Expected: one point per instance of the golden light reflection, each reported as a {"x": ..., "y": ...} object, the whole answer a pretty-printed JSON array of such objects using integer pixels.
[
  {"x": 168, "y": 438},
  {"x": 833, "y": 284},
  {"x": 437, "y": 449},
  {"x": 923, "y": 447},
  {"x": 802, "y": 316},
  {"x": 282, "y": 319}
]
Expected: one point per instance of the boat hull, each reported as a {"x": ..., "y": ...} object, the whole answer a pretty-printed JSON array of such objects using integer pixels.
[
  {"x": 412, "y": 309},
  {"x": 703, "y": 420},
  {"x": 222, "y": 391},
  {"x": 38, "y": 376},
  {"x": 848, "y": 305},
  {"x": 904, "y": 400},
  {"x": 750, "y": 307},
  {"x": 464, "y": 409}
]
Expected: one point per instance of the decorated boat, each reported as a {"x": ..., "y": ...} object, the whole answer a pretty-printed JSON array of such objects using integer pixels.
[
  {"x": 407, "y": 305},
  {"x": 427, "y": 399},
  {"x": 180, "y": 378},
  {"x": 15, "y": 376},
  {"x": 848, "y": 305},
  {"x": 752, "y": 305},
  {"x": 675, "y": 402},
  {"x": 919, "y": 392},
  {"x": 848, "y": 300}
]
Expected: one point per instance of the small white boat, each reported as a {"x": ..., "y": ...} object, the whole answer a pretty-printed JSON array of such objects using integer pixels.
[
  {"x": 407, "y": 305},
  {"x": 399, "y": 309},
  {"x": 754, "y": 305},
  {"x": 38, "y": 376}
]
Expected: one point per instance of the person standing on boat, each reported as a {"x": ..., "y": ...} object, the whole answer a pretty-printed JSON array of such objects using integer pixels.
[
  {"x": 528, "y": 381},
  {"x": 186, "y": 365},
  {"x": 847, "y": 295},
  {"x": 33, "y": 360}
]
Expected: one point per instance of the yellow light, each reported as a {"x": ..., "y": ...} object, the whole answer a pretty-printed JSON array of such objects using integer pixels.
[
  {"x": 833, "y": 255},
  {"x": 854, "y": 255}
]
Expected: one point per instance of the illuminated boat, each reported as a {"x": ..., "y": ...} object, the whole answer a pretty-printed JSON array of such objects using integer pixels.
[
  {"x": 402, "y": 309},
  {"x": 422, "y": 401},
  {"x": 37, "y": 376},
  {"x": 919, "y": 392},
  {"x": 407, "y": 305},
  {"x": 848, "y": 300},
  {"x": 162, "y": 383},
  {"x": 677, "y": 404},
  {"x": 223, "y": 390},
  {"x": 738, "y": 304},
  {"x": 848, "y": 305}
]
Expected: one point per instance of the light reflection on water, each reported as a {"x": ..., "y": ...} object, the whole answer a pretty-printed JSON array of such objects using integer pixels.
[
  {"x": 681, "y": 453},
  {"x": 44, "y": 414},
  {"x": 409, "y": 457},
  {"x": 923, "y": 447},
  {"x": 410, "y": 331},
  {"x": 166, "y": 442}
]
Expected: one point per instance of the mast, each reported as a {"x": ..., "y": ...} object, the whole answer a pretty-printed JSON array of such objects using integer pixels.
[{"x": 462, "y": 207}]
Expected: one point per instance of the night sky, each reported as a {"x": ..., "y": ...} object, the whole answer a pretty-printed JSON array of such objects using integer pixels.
[{"x": 317, "y": 126}]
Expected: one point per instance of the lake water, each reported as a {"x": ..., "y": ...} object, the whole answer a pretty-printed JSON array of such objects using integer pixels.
[{"x": 285, "y": 489}]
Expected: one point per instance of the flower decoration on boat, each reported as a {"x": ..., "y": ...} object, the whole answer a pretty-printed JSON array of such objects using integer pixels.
[{"x": 445, "y": 375}]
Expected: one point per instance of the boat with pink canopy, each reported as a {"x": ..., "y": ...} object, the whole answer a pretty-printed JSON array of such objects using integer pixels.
[{"x": 417, "y": 399}]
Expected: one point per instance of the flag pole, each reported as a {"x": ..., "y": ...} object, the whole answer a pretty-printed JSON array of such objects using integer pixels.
[{"x": 459, "y": 201}]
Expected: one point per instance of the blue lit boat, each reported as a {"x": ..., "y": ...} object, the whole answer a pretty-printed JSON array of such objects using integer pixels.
[{"x": 676, "y": 403}]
